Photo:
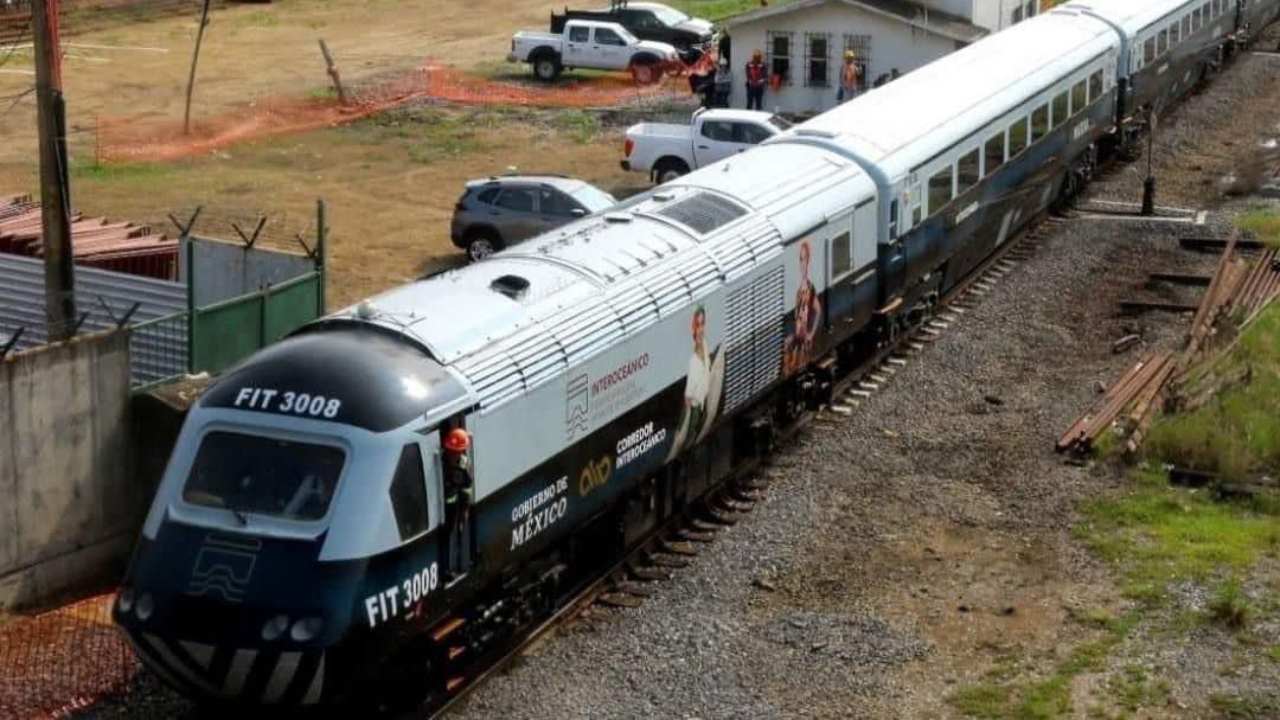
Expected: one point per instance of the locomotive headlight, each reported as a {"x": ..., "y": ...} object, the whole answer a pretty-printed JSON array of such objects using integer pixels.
[
  {"x": 146, "y": 605},
  {"x": 275, "y": 627},
  {"x": 125, "y": 600},
  {"x": 306, "y": 629}
]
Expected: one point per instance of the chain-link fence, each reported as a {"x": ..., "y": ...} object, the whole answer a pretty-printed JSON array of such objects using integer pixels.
[{"x": 54, "y": 663}]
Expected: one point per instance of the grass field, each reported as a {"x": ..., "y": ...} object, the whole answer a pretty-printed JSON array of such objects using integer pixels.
[{"x": 390, "y": 183}]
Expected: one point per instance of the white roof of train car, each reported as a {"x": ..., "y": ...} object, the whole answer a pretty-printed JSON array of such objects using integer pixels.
[
  {"x": 588, "y": 263},
  {"x": 902, "y": 124},
  {"x": 1131, "y": 15}
]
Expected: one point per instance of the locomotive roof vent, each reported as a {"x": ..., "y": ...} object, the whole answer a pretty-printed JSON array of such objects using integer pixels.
[
  {"x": 703, "y": 212},
  {"x": 617, "y": 217},
  {"x": 513, "y": 286}
]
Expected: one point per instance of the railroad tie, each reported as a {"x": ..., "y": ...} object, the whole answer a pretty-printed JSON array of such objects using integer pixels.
[
  {"x": 648, "y": 573},
  {"x": 695, "y": 536},
  {"x": 619, "y": 600}
]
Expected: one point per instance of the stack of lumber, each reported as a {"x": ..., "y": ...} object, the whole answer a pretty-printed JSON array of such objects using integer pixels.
[
  {"x": 1132, "y": 403},
  {"x": 120, "y": 246},
  {"x": 1138, "y": 389}
]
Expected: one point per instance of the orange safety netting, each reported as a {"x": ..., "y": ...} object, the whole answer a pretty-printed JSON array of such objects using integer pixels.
[
  {"x": 131, "y": 139},
  {"x": 57, "y": 662}
]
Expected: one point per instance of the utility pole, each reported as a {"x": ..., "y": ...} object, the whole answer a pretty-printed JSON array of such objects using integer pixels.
[
  {"x": 195, "y": 57},
  {"x": 55, "y": 201}
]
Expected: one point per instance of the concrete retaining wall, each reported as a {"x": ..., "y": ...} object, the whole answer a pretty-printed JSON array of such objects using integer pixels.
[{"x": 69, "y": 501}]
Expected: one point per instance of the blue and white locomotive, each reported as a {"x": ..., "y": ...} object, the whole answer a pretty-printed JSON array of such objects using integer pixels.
[{"x": 422, "y": 475}]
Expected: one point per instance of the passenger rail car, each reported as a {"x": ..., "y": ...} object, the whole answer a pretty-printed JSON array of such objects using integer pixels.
[{"x": 388, "y": 495}]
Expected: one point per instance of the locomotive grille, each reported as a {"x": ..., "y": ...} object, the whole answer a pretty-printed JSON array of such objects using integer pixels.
[
  {"x": 703, "y": 212},
  {"x": 753, "y": 337}
]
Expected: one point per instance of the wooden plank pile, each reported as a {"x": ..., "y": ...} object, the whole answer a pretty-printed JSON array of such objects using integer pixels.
[
  {"x": 1133, "y": 402},
  {"x": 120, "y": 246}
]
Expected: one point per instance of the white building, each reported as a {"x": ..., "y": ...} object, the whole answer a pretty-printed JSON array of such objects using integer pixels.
[{"x": 804, "y": 42}]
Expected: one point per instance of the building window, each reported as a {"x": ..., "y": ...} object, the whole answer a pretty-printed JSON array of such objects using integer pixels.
[
  {"x": 409, "y": 494},
  {"x": 1079, "y": 97},
  {"x": 780, "y": 56},
  {"x": 1017, "y": 136},
  {"x": 969, "y": 171},
  {"x": 1040, "y": 123},
  {"x": 940, "y": 189},
  {"x": 1095, "y": 86},
  {"x": 1017, "y": 14},
  {"x": 816, "y": 60},
  {"x": 861, "y": 47},
  {"x": 1060, "y": 109},
  {"x": 1029, "y": 10},
  {"x": 993, "y": 153}
]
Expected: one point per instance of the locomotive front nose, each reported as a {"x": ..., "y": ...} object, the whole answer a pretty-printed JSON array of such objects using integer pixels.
[{"x": 229, "y": 602}]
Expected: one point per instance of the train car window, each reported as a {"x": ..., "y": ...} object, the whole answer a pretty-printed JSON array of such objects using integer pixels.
[
  {"x": 1196, "y": 19},
  {"x": 264, "y": 476},
  {"x": 841, "y": 256},
  {"x": 993, "y": 153},
  {"x": 917, "y": 204},
  {"x": 409, "y": 493},
  {"x": 1162, "y": 42},
  {"x": 1175, "y": 34},
  {"x": 1017, "y": 136},
  {"x": 1149, "y": 51},
  {"x": 941, "y": 187},
  {"x": 1079, "y": 97},
  {"x": 1204, "y": 13},
  {"x": 1040, "y": 123},
  {"x": 969, "y": 171},
  {"x": 1186, "y": 26},
  {"x": 1095, "y": 86},
  {"x": 1061, "y": 109},
  {"x": 893, "y": 220}
]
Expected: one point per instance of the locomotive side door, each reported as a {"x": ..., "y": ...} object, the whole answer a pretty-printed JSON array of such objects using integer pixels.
[{"x": 454, "y": 468}]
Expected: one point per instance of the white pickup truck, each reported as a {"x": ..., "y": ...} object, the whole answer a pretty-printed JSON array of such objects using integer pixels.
[
  {"x": 590, "y": 44},
  {"x": 667, "y": 151}
]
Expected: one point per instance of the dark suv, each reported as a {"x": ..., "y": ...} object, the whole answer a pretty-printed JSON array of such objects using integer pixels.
[{"x": 498, "y": 212}]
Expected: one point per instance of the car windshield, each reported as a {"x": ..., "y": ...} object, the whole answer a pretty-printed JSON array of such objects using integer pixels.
[
  {"x": 593, "y": 198},
  {"x": 264, "y": 476},
  {"x": 779, "y": 122},
  {"x": 670, "y": 16}
]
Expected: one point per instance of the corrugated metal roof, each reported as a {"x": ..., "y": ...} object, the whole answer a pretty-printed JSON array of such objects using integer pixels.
[{"x": 101, "y": 294}]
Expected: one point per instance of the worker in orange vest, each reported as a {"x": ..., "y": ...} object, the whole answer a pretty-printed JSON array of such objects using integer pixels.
[
  {"x": 756, "y": 78},
  {"x": 848, "y": 78}
]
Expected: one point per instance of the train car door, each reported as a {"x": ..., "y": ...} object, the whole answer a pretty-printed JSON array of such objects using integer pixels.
[{"x": 454, "y": 468}]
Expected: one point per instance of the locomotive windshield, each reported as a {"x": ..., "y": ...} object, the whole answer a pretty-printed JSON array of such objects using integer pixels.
[{"x": 264, "y": 476}]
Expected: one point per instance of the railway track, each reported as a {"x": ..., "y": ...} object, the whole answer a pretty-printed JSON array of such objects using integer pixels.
[{"x": 625, "y": 583}]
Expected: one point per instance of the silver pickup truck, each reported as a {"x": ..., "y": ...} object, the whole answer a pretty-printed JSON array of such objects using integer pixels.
[{"x": 590, "y": 44}]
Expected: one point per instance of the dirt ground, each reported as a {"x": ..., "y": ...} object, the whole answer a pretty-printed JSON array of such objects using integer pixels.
[
  {"x": 389, "y": 181},
  {"x": 251, "y": 50}
]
